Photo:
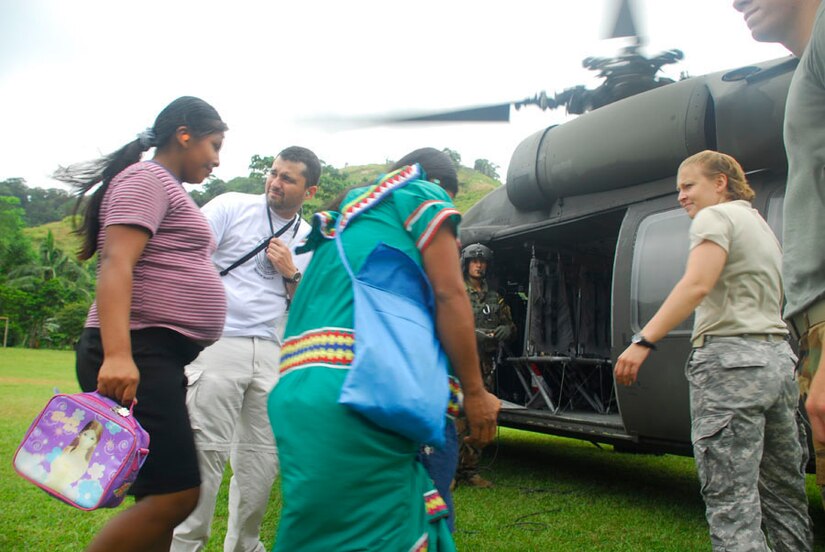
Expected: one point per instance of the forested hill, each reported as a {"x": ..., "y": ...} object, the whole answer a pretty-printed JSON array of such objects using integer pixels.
[
  {"x": 45, "y": 292},
  {"x": 47, "y": 210}
]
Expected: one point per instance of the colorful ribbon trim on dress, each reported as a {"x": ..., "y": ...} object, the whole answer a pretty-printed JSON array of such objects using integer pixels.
[
  {"x": 331, "y": 347},
  {"x": 422, "y": 544},
  {"x": 323, "y": 222},
  {"x": 454, "y": 404},
  {"x": 436, "y": 507},
  {"x": 374, "y": 194}
]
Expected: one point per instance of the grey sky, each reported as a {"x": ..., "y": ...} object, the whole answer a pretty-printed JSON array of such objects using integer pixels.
[{"x": 82, "y": 78}]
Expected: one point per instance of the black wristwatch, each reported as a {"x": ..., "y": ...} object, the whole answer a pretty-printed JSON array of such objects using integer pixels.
[
  {"x": 295, "y": 277},
  {"x": 639, "y": 339}
]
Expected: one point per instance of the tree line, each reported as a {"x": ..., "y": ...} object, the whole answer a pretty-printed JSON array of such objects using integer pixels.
[{"x": 46, "y": 292}]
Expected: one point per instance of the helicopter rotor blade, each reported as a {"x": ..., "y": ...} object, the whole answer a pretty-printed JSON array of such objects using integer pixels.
[
  {"x": 496, "y": 113},
  {"x": 625, "y": 24}
]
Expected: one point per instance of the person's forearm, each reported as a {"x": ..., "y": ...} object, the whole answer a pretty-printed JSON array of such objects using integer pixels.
[
  {"x": 114, "y": 301},
  {"x": 680, "y": 303},
  {"x": 454, "y": 324},
  {"x": 815, "y": 403}
]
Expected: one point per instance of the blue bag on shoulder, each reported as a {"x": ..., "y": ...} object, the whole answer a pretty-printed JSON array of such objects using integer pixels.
[{"x": 399, "y": 375}]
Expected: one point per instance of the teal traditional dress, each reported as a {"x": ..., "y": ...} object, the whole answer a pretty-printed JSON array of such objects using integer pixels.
[{"x": 348, "y": 484}]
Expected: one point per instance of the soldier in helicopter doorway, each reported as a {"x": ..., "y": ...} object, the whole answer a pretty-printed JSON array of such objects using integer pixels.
[{"x": 494, "y": 325}]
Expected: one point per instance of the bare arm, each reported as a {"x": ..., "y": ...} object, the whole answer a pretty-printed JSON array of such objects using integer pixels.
[
  {"x": 455, "y": 327},
  {"x": 704, "y": 266},
  {"x": 118, "y": 377},
  {"x": 815, "y": 403}
]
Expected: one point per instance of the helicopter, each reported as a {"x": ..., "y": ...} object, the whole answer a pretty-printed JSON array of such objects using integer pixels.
[{"x": 588, "y": 239}]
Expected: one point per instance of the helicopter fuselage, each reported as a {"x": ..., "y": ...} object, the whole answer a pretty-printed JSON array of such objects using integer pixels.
[{"x": 589, "y": 239}]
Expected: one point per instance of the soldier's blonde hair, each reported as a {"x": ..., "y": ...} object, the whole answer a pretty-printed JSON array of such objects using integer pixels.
[{"x": 713, "y": 163}]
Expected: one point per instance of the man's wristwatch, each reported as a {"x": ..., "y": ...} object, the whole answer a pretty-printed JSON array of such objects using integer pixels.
[
  {"x": 639, "y": 339},
  {"x": 295, "y": 278}
]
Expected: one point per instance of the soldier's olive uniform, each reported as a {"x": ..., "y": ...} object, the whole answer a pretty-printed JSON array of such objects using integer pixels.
[{"x": 489, "y": 311}]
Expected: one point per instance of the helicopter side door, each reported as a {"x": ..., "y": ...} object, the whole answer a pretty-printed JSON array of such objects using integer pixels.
[{"x": 651, "y": 254}]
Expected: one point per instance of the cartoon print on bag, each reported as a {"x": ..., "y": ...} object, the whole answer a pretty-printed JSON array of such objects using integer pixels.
[
  {"x": 89, "y": 491},
  {"x": 72, "y": 462}
]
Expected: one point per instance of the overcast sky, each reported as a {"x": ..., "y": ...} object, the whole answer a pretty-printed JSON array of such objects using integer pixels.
[{"x": 79, "y": 78}]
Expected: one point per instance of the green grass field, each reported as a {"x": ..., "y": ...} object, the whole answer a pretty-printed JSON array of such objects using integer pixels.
[{"x": 551, "y": 493}]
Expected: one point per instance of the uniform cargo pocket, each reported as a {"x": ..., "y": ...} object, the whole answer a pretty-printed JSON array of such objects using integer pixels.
[
  {"x": 730, "y": 355},
  {"x": 192, "y": 379},
  {"x": 713, "y": 450}
]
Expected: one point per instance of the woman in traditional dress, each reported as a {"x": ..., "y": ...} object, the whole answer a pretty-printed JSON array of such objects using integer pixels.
[{"x": 348, "y": 484}]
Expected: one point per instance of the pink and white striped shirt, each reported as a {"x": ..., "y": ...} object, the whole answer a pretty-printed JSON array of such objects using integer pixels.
[{"x": 175, "y": 285}]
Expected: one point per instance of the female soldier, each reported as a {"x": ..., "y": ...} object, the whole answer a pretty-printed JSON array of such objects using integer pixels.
[
  {"x": 159, "y": 301},
  {"x": 746, "y": 437}
]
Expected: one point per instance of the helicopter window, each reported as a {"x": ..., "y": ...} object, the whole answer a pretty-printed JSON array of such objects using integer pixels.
[
  {"x": 659, "y": 259},
  {"x": 774, "y": 218}
]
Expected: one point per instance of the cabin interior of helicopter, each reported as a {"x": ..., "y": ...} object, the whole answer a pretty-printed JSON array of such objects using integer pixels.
[{"x": 560, "y": 298}]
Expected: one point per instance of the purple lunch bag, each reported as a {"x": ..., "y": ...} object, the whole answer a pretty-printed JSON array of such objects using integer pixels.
[{"x": 84, "y": 449}]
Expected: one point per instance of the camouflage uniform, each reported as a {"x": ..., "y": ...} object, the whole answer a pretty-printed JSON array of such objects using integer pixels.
[
  {"x": 810, "y": 354},
  {"x": 746, "y": 434},
  {"x": 489, "y": 312}
]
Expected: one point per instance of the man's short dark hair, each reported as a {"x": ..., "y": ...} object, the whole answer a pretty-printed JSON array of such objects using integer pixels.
[{"x": 297, "y": 154}]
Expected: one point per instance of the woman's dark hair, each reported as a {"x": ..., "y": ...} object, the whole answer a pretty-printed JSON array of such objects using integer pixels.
[
  {"x": 200, "y": 119},
  {"x": 437, "y": 164},
  {"x": 297, "y": 154}
]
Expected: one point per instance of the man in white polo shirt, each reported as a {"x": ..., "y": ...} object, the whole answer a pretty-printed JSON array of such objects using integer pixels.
[{"x": 230, "y": 381}]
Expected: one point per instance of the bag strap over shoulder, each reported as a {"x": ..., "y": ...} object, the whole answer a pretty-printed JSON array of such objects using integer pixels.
[
  {"x": 341, "y": 253},
  {"x": 263, "y": 244}
]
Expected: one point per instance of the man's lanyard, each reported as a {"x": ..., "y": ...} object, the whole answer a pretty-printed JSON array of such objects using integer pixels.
[{"x": 294, "y": 222}]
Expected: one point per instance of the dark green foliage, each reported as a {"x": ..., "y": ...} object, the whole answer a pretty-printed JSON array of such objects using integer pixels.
[
  {"x": 486, "y": 168},
  {"x": 40, "y": 205},
  {"x": 259, "y": 166},
  {"x": 15, "y": 247},
  {"x": 65, "y": 326},
  {"x": 46, "y": 292},
  {"x": 215, "y": 187},
  {"x": 333, "y": 182},
  {"x": 13, "y": 305},
  {"x": 38, "y": 290}
]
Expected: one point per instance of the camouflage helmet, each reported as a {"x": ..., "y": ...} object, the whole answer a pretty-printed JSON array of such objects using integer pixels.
[{"x": 476, "y": 251}]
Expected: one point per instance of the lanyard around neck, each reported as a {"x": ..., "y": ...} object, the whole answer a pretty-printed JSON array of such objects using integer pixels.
[
  {"x": 294, "y": 222},
  {"x": 285, "y": 227}
]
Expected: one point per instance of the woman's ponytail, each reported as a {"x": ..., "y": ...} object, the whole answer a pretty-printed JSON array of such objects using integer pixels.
[{"x": 196, "y": 115}]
